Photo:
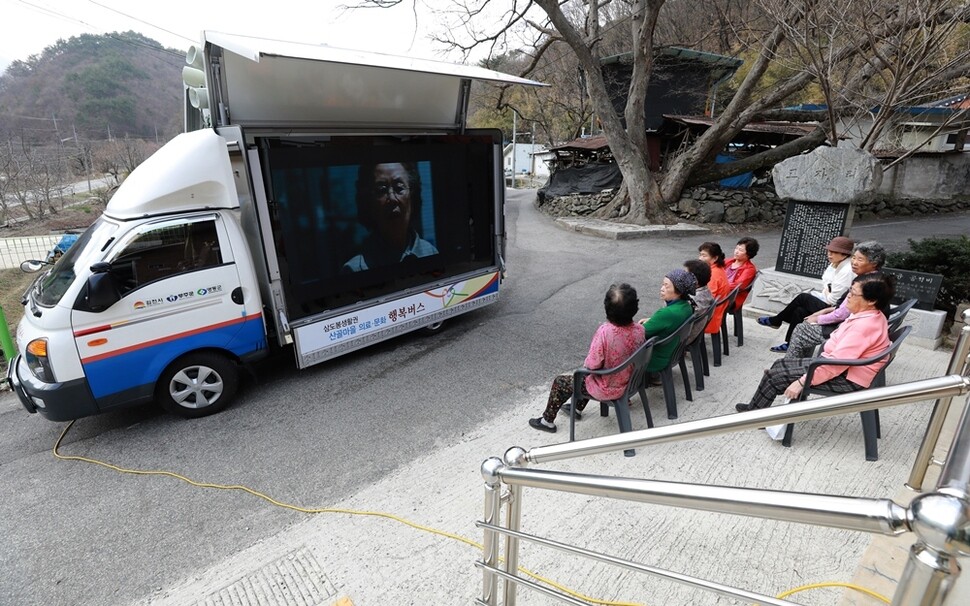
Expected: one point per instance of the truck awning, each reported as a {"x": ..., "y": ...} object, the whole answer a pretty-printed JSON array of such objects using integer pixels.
[{"x": 270, "y": 82}]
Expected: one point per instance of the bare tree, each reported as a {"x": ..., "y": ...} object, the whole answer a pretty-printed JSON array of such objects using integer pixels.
[
  {"x": 849, "y": 50},
  {"x": 118, "y": 157},
  {"x": 8, "y": 178}
]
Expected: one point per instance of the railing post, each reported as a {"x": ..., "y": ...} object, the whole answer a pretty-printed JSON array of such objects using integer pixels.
[
  {"x": 490, "y": 540},
  {"x": 927, "y": 578},
  {"x": 514, "y": 457},
  {"x": 957, "y": 365},
  {"x": 941, "y": 522}
]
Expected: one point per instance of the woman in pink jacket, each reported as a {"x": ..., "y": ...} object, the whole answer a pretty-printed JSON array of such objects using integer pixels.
[
  {"x": 615, "y": 341},
  {"x": 863, "y": 334}
]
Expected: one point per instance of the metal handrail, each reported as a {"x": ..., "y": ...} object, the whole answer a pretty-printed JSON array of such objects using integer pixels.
[
  {"x": 856, "y": 401},
  {"x": 683, "y": 579},
  {"x": 959, "y": 364},
  {"x": 940, "y": 519}
]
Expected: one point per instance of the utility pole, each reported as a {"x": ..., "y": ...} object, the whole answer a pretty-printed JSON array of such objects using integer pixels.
[{"x": 514, "y": 150}]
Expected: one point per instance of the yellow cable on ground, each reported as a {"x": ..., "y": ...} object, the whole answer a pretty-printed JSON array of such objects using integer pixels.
[
  {"x": 868, "y": 592},
  {"x": 389, "y": 516}
]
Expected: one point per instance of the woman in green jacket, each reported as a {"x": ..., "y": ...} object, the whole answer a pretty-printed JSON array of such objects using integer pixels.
[{"x": 675, "y": 292}]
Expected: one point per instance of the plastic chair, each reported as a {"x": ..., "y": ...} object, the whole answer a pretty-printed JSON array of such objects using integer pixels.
[
  {"x": 638, "y": 360},
  {"x": 870, "y": 418},
  {"x": 667, "y": 373},
  {"x": 716, "y": 337},
  {"x": 898, "y": 313},
  {"x": 730, "y": 310},
  {"x": 698, "y": 351}
]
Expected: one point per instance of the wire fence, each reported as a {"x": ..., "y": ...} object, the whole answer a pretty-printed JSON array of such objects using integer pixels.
[{"x": 14, "y": 251}]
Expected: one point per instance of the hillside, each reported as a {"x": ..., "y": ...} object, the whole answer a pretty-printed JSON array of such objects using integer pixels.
[{"x": 102, "y": 86}]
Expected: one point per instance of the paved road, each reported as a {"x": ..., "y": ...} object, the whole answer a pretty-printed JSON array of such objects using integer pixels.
[{"x": 79, "y": 534}]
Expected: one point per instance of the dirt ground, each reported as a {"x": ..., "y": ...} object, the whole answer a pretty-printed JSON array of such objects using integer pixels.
[{"x": 76, "y": 217}]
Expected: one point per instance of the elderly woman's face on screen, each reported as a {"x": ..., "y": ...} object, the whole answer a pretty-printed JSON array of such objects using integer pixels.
[{"x": 392, "y": 199}]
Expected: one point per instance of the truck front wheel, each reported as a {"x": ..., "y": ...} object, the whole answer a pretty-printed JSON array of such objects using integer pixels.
[{"x": 197, "y": 385}]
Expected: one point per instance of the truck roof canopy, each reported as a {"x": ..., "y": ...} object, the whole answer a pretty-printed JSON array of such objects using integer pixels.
[
  {"x": 191, "y": 172},
  {"x": 272, "y": 82}
]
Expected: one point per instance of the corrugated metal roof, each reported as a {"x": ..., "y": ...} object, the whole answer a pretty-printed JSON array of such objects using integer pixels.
[
  {"x": 583, "y": 143},
  {"x": 684, "y": 53},
  {"x": 783, "y": 128}
]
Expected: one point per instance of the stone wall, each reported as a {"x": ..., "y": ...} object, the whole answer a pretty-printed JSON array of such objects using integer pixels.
[
  {"x": 576, "y": 205},
  {"x": 735, "y": 206}
]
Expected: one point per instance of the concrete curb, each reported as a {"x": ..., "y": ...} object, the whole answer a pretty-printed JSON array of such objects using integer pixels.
[{"x": 623, "y": 231}]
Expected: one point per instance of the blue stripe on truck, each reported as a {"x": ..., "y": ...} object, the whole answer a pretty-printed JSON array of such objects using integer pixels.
[{"x": 143, "y": 365}]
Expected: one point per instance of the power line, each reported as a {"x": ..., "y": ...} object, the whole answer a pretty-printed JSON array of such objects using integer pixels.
[
  {"x": 58, "y": 15},
  {"x": 114, "y": 10}
]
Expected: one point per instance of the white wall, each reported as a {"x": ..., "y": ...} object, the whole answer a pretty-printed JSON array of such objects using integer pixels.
[{"x": 528, "y": 160}]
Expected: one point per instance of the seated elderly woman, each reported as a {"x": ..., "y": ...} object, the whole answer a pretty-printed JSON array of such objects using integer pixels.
[
  {"x": 863, "y": 334},
  {"x": 835, "y": 281},
  {"x": 676, "y": 291},
  {"x": 614, "y": 341},
  {"x": 867, "y": 258}
]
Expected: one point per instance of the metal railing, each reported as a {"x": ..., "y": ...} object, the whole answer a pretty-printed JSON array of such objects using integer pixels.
[
  {"x": 940, "y": 518},
  {"x": 14, "y": 251}
]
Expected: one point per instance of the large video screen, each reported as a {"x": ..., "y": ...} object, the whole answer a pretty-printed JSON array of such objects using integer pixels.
[{"x": 356, "y": 218}]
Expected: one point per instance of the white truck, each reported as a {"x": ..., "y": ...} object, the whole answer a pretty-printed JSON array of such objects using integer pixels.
[{"x": 320, "y": 198}]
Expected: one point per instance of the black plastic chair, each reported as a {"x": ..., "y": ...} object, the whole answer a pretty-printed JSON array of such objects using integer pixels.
[
  {"x": 667, "y": 372},
  {"x": 870, "y": 418},
  {"x": 698, "y": 350},
  {"x": 735, "y": 313},
  {"x": 716, "y": 336},
  {"x": 898, "y": 313},
  {"x": 638, "y": 360}
]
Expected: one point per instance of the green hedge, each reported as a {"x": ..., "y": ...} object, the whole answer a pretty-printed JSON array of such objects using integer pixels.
[{"x": 947, "y": 256}]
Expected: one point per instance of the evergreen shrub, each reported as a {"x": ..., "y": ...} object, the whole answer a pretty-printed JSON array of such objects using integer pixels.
[{"x": 949, "y": 257}]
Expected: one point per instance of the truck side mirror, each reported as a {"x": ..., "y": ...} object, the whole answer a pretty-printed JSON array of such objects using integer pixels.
[{"x": 101, "y": 290}]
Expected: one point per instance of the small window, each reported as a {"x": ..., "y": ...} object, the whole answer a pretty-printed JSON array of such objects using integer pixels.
[{"x": 167, "y": 251}]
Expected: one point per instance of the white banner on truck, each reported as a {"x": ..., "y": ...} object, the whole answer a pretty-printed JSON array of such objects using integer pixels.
[{"x": 338, "y": 335}]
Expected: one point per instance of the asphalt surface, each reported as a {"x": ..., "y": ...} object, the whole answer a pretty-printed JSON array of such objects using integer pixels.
[{"x": 77, "y": 533}]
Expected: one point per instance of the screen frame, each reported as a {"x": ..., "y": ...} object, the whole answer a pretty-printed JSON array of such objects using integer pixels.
[{"x": 360, "y": 291}]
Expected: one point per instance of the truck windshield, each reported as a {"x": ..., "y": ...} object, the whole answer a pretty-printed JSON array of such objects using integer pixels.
[{"x": 85, "y": 251}]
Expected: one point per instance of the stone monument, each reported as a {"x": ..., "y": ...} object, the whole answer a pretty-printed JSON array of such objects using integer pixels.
[{"x": 822, "y": 188}]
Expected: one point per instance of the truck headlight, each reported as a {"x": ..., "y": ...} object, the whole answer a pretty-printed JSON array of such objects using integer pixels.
[{"x": 37, "y": 361}]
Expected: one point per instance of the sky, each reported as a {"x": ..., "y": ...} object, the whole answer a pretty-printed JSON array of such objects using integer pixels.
[{"x": 29, "y": 26}]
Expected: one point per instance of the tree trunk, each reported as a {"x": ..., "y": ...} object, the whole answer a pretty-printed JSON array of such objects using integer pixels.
[{"x": 716, "y": 172}]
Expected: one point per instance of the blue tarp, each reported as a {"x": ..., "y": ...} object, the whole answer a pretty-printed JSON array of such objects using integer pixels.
[
  {"x": 66, "y": 241},
  {"x": 742, "y": 181}
]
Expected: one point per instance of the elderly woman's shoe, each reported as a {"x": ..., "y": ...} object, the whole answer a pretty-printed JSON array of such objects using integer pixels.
[
  {"x": 538, "y": 424},
  {"x": 568, "y": 407},
  {"x": 766, "y": 321},
  {"x": 780, "y": 348}
]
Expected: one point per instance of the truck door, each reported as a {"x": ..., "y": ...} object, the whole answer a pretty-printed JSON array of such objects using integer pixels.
[{"x": 180, "y": 292}]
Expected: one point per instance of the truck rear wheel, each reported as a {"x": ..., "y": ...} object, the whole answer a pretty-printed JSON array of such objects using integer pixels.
[
  {"x": 198, "y": 384},
  {"x": 435, "y": 327}
]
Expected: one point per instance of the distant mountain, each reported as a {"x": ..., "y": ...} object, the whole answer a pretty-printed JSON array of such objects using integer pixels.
[{"x": 117, "y": 85}]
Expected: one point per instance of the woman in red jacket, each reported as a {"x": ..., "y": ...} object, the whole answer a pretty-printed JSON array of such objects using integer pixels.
[
  {"x": 711, "y": 253},
  {"x": 740, "y": 271}
]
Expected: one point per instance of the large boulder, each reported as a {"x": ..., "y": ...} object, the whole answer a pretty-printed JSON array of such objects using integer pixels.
[{"x": 828, "y": 174}]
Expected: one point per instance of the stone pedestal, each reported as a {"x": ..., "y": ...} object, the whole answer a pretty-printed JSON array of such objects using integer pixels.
[{"x": 775, "y": 289}]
